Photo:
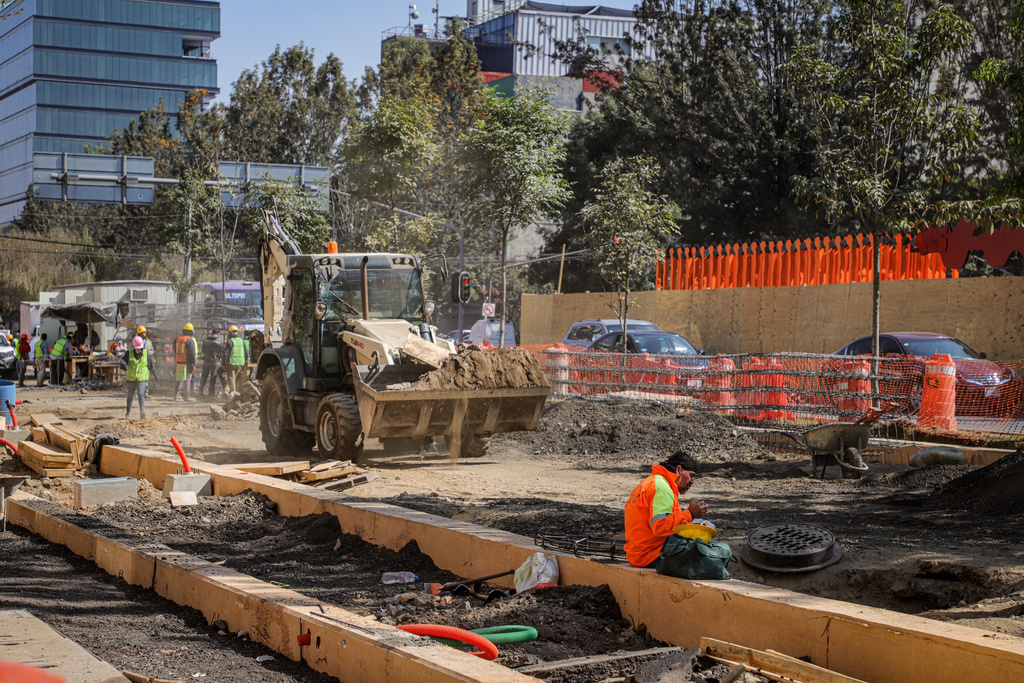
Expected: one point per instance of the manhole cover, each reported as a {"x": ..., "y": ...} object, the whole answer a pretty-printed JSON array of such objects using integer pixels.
[{"x": 790, "y": 548}]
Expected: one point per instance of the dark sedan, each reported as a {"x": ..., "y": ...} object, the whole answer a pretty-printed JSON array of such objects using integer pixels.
[
  {"x": 982, "y": 387},
  {"x": 662, "y": 359}
]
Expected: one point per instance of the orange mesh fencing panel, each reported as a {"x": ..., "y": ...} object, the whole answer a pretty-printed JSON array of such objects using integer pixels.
[{"x": 793, "y": 390}]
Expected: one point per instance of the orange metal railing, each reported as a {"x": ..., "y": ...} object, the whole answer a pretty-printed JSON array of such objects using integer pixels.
[{"x": 818, "y": 261}]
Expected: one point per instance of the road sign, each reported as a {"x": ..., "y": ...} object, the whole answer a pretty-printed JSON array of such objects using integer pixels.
[{"x": 488, "y": 310}]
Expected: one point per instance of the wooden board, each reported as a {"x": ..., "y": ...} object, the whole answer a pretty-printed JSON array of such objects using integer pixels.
[
  {"x": 774, "y": 665},
  {"x": 424, "y": 351},
  {"x": 38, "y": 434},
  {"x": 48, "y": 471},
  {"x": 352, "y": 481},
  {"x": 44, "y": 455},
  {"x": 340, "y": 469},
  {"x": 64, "y": 440},
  {"x": 273, "y": 469},
  {"x": 44, "y": 418}
]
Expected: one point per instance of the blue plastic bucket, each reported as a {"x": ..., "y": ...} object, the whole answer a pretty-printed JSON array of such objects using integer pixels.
[{"x": 8, "y": 392}]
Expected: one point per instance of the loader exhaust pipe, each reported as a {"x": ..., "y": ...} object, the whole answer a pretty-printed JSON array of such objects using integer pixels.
[{"x": 362, "y": 278}]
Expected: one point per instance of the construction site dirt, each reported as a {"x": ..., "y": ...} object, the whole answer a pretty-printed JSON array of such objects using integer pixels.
[{"x": 941, "y": 542}]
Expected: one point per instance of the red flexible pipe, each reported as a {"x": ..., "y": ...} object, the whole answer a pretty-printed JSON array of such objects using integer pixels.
[
  {"x": 14, "y": 449},
  {"x": 181, "y": 454},
  {"x": 488, "y": 650}
]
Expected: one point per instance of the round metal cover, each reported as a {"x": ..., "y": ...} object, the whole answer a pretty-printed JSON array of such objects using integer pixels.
[{"x": 790, "y": 548}]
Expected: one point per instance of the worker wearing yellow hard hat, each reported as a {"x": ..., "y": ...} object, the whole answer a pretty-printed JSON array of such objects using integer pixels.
[
  {"x": 234, "y": 360},
  {"x": 233, "y": 328},
  {"x": 141, "y": 329},
  {"x": 186, "y": 354}
]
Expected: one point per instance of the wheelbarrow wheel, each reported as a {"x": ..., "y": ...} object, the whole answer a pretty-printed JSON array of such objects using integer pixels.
[{"x": 853, "y": 464}]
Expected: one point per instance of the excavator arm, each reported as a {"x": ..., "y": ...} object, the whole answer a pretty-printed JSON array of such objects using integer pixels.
[{"x": 275, "y": 248}]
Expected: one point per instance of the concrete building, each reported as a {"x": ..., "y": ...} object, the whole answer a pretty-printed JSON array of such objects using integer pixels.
[{"x": 71, "y": 72}]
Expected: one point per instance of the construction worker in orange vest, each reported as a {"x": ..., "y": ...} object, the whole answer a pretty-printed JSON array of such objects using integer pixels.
[
  {"x": 186, "y": 352},
  {"x": 653, "y": 511}
]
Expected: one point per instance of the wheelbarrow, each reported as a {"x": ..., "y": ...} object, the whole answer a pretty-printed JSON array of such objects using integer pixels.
[{"x": 839, "y": 444}]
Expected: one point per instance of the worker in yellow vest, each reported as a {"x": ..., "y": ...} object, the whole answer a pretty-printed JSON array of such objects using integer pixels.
[
  {"x": 186, "y": 353},
  {"x": 236, "y": 360},
  {"x": 138, "y": 365},
  {"x": 42, "y": 351},
  {"x": 59, "y": 354}
]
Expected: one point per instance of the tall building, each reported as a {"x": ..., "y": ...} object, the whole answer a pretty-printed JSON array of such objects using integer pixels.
[{"x": 71, "y": 71}]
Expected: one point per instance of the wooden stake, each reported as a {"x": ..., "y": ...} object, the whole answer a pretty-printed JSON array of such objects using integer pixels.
[{"x": 561, "y": 268}]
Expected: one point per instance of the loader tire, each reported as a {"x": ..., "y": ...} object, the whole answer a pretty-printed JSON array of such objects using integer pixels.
[
  {"x": 339, "y": 433},
  {"x": 278, "y": 439},
  {"x": 473, "y": 446}
]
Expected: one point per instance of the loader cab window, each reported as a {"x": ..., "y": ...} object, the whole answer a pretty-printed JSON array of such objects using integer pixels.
[
  {"x": 304, "y": 329},
  {"x": 393, "y": 292}
]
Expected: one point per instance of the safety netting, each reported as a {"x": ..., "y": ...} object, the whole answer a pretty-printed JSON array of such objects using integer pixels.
[{"x": 959, "y": 399}]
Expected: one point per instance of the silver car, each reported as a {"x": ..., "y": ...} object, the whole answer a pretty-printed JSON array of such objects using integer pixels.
[{"x": 585, "y": 332}]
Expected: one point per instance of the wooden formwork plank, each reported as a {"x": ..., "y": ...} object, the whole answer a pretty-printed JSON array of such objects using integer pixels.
[
  {"x": 273, "y": 469},
  {"x": 829, "y": 633},
  {"x": 348, "y": 646},
  {"x": 772, "y": 664}
]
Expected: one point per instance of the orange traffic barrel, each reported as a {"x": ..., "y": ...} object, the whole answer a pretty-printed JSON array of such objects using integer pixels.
[{"x": 938, "y": 394}]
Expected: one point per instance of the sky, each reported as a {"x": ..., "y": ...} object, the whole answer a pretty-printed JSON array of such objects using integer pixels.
[{"x": 351, "y": 29}]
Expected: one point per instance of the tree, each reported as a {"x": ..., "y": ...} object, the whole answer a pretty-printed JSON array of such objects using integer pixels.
[
  {"x": 885, "y": 120},
  {"x": 513, "y": 158},
  {"x": 626, "y": 225},
  {"x": 303, "y": 214},
  {"x": 288, "y": 111}
]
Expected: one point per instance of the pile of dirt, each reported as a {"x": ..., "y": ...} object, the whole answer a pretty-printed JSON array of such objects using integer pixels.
[
  {"x": 474, "y": 368},
  {"x": 600, "y": 433},
  {"x": 993, "y": 491}
]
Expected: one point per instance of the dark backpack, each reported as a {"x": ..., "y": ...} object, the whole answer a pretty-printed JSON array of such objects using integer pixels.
[{"x": 694, "y": 559}]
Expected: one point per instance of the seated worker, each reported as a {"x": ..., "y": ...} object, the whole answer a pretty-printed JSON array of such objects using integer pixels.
[{"x": 653, "y": 511}]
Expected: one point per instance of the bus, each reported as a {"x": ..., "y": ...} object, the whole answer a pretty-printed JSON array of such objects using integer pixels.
[{"x": 236, "y": 302}]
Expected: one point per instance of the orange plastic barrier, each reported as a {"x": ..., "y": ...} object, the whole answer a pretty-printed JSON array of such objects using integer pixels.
[
  {"x": 818, "y": 261},
  {"x": 938, "y": 394},
  {"x": 719, "y": 382},
  {"x": 858, "y": 400}
]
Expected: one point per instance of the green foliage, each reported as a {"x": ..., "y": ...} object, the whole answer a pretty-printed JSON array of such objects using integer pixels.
[
  {"x": 513, "y": 160},
  {"x": 626, "y": 225},
  {"x": 288, "y": 111},
  {"x": 1005, "y": 73},
  {"x": 300, "y": 212},
  {"x": 30, "y": 267}
]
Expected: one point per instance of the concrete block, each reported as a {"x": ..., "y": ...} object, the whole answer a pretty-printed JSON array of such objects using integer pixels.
[
  {"x": 99, "y": 491},
  {"x": 15, "y": 436},
  {"x": 180, "y": 499},
  {"x": 197, "y": 483}
]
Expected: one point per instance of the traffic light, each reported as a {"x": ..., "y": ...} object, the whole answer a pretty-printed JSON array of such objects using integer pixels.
[{"x": 462, "y": 287}]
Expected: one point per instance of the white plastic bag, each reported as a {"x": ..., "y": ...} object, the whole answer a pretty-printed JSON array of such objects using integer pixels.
[{"x": 540, "y": 568}]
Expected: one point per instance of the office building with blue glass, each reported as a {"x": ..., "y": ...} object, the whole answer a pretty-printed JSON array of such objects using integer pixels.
[{"x": 73, "y": 71}]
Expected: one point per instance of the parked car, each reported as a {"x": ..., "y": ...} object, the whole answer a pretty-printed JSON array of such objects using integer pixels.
[
  {"x": 457, "y": 336},
  {"x": 656, "y": 361},
  {"x": 982, "y": 387},
  {"x": 583, "y": 333},
  {"x": 8, "y": 366},
  {"x": 490, "y": 329}
]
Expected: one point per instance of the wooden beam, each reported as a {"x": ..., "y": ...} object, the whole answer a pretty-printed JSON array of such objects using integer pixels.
[
  {"x": 44, "y": 418},
  {"x": 272, "y": 469},
  {"x": 343, "y": 469},
  {"x": 547, "y": 667},
  {"x": 772, "y": 664}
]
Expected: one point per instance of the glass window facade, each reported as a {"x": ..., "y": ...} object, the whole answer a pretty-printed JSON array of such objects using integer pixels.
[
  {"x": 193, "y": 73},
  {"x": 106, "y": 38},
  {"x": 185, "y": 16},
  {"x": 73, "y": 71},
  {"x": 94, "y": 96}
]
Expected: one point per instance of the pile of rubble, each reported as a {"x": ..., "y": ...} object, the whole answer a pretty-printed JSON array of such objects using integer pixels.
[{"x": 244, "y": 405}]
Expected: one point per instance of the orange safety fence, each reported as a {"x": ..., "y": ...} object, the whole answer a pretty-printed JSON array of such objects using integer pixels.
[
  {"x": 958, "y": 397},
  {"x": 818, "y": 261}
]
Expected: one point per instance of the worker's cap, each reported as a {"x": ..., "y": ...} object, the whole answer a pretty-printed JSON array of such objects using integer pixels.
[
  {"x": 70, "y": 333},
  {"x": 24, "y": 336},
  {"x": 138, "y": 343},
  {"x": 140, "y": 329},
  {"x": 10, "y": 337},
  {"x": 233, "y": 328},
  {"x": 680, "y": 459},
  {"x": 189, "y": 327}
]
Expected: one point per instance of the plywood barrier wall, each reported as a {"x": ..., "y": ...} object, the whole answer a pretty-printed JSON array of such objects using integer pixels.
[
  {"x": 984, "y": 312},
  {"x": 864, "y": 642}
]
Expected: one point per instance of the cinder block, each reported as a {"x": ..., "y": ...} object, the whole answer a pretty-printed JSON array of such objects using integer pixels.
[
  {"x": 183, "y": 499},
  {"x": 99, "y": 491},
  {"x": 15, "y": 436},
  {"x": 197, "y": 483}
]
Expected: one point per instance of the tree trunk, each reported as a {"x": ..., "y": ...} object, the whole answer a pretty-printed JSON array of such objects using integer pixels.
[
  {"x": 876, "y": 312},
  {"x": 504, "y": 290}
]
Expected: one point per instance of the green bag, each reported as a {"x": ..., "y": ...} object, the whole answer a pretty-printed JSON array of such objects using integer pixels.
[{"x": 688, "y": 558}]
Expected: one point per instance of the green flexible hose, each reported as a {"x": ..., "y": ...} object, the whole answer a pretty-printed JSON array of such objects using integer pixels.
[{"x": 499, "y": 635}]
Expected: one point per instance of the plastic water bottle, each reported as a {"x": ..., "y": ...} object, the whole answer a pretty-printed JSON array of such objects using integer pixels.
[{"x": 399, "y": 577}]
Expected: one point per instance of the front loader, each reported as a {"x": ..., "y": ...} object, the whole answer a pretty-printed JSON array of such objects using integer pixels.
[{"x": 354, "y": 336}]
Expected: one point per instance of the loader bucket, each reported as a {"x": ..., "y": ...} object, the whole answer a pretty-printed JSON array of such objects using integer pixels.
[{"x": 401, "y": 412}]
